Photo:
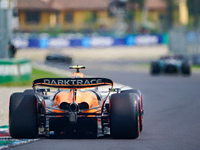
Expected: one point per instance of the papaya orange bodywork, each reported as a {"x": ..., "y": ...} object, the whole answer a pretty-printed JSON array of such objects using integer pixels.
[
  {"x": 81, "y": 96},
  {"x": 77, "y": 74}
]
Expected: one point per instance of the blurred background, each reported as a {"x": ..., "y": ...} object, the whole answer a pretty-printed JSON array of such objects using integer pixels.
[
  {"x": 67, "y": 30},
  {"x": 116, "y": 39}
]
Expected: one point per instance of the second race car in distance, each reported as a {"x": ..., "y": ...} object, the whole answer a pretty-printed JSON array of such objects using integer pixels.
[
  {"x": 58, "y": 58},
  {"x": 171, "y": 64}
]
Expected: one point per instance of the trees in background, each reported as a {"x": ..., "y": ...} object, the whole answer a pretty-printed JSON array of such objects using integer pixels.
[
  {"x": 131, "y": 11},
  {"x": 194, "y": 11},
  {"x": 131, "y": 6},
  {"x": 170, "y": 11}
]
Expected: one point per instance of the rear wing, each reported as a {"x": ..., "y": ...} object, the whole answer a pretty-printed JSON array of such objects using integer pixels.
[{"x": 72, "y": 83}]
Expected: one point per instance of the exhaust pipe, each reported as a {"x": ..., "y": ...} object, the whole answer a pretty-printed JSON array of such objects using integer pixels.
[{"x": 64, "y": 105}]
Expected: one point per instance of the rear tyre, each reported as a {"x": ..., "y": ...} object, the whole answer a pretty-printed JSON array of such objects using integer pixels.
[
  {"x": 185, "y": 68},
  {"x": 124, "y": 116},
  {"x": 23, "y": 121},
  {"x": 29, "y": 92},
  {"x": 155, "y": 69},
  {"x": 141, "y": 110}
]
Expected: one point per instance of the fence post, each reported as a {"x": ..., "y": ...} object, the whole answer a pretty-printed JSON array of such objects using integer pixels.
[{"x": 5, "y": 26}]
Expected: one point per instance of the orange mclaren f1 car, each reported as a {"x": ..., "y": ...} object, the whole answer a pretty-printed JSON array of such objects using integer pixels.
[{"x": 76, "y": 106}]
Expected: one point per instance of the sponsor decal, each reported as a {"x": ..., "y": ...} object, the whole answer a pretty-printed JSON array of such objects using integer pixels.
[
  {"x": 15, "y": 70},
  {"x": 146, "y": 40},
  {"x": 72, "y": 81},
  {"x": 94, "y": 41},
  {"x": 25, "y": 68},
  {"x": 6, "y": 70},
  {"x": 20, "y": 42},
  {"x": 101, "y": 41},
  {"x": 58, "y": 42}
]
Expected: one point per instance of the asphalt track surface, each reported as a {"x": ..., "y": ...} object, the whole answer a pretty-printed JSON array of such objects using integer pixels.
[{"x": 171, "y": 115}]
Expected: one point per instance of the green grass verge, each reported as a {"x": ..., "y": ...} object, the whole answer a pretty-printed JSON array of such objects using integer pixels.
[
  {"x": 36, "y": 74},
  {"x": 196, "y": 67}
]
